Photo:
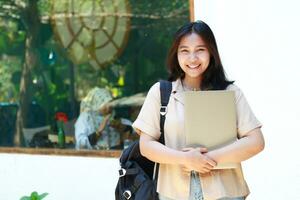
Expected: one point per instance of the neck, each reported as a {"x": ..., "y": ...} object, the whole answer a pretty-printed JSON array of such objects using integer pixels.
[{"x": 191, "y": 84}]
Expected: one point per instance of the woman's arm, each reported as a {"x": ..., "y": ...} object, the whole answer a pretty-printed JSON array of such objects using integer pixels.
[
  {"x": 192, "y": 159},
  {"x": 246, "y": 147},
  {"x": 81, "y": 132}
]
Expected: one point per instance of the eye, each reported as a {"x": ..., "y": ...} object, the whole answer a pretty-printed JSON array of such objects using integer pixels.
[
  {"x": 183, "y": 50},
  {"x": 201, "y": 49}
]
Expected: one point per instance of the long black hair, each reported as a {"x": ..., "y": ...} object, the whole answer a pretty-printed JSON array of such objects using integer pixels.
[{"x": 214, "y": 77}]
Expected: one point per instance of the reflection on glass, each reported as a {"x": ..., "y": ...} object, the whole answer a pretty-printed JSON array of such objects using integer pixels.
[{"x": 52, "y": 58}]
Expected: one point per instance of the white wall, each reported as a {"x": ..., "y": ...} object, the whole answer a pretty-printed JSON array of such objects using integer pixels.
[
  {"x": 259, "y": 43},
  {"x": 63, "y": 177}
]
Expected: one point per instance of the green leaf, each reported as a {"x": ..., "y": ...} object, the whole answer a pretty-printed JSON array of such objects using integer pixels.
[
  {"x": 25, "y": 198},
  {"x": 43, "y": 195},
  {"x": 34, "y": 196}
]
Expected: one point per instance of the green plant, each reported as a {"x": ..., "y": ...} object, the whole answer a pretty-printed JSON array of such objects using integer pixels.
[{"x": 34, "y": 196}]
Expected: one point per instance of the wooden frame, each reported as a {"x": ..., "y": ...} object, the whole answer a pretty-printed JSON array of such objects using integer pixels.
[
  {"x": 192, "y": 10},
  {"x": 61, "y": 152}
]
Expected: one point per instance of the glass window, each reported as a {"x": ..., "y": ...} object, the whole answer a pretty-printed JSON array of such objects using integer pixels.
[{"x": 52, "y": 53}]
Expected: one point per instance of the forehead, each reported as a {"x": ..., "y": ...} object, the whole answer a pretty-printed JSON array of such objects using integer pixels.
[{"x": 191, "y": 40}]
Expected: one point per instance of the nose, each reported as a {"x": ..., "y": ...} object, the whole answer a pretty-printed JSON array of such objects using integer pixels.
[{"x": 193, "y": 57}]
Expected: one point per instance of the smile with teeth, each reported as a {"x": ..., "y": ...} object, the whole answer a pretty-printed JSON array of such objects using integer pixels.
[{"x": 193, "y": 66}]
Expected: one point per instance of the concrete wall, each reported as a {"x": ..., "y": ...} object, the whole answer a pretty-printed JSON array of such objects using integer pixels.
[{"x": 259, "y": 44}]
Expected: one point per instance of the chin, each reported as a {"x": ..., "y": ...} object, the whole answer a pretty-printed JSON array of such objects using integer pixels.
[{"x": 194, "y": 75}]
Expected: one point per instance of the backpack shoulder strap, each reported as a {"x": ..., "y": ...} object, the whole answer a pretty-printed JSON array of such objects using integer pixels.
[{"x": 165, "y": 92}]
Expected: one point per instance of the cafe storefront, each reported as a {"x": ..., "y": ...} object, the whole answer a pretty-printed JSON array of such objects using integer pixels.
[{"x": 52, "y": 53}]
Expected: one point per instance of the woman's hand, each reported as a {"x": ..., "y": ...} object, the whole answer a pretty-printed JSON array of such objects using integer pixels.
[
  {"x": 197, "y": 161},
  {"x": 103, "y": 123}
]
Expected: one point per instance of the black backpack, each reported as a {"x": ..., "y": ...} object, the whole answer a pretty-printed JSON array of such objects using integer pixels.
[{"x": 136, "y": 181}]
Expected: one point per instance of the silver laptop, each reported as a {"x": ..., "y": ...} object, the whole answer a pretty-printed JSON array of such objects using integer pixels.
[{"x": 210, "y": 120}]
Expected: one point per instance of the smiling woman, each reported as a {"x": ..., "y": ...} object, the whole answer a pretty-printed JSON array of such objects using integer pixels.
[
  {"x": 52, "y": 58},
  {"x": 193, "y": 172},
  {"x": 193, "y": 58}
]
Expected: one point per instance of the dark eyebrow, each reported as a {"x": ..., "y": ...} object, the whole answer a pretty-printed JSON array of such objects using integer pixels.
[{"x": 182, "y": 47}]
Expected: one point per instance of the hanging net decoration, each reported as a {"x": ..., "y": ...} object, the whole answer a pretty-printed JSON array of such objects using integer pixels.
[{"x": 92, "y": 31}]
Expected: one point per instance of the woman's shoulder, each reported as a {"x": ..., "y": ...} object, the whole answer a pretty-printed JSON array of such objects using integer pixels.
[
  {"x": 233, "y": 87},
  {"x": 155, "y": 86},
  {"x": 154, "y": 89},
  {"x": 237, "y": 90},
  {"x": 87, "y": 115}
]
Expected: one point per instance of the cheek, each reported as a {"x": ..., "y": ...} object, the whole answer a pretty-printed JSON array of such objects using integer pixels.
[
  {"x": 181, "y": 58},
  {"x": 205, "y": 58}
]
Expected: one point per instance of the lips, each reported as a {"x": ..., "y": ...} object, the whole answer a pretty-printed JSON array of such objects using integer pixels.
[{"x": 193, "y": 66}]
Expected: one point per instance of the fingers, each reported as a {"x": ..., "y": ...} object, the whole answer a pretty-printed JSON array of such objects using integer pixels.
[
  {"x": 211, "y": 162},
  {"x": 203, "y": 168},
  {"x": 197, "y": 160},
  {"x": 206, "y": 165},
  {"x": 204, "y": 171},
  {"x": 186, "y": 171}
]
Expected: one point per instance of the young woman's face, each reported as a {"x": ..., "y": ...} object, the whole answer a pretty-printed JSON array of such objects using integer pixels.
[{"x": 193, "y": 56}]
